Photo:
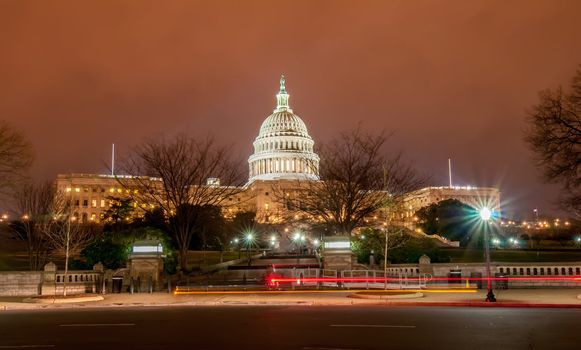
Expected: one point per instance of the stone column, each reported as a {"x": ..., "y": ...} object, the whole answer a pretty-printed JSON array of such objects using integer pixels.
[
  {"x": 98, "y": 283},
  {"x": 48, "y": 286},
  {"x": 425, "y": 265}
]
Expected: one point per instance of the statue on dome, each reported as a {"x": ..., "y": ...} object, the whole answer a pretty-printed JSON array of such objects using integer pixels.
[{"x": 282, "y": 88}]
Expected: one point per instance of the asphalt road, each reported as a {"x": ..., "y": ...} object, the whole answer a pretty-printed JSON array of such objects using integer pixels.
[{"x": 292, "y": 327}]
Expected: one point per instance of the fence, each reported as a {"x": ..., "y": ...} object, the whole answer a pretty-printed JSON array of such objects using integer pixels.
[
  {"x": 75, "y": 282},
  {"x": 390, "y": 279}
]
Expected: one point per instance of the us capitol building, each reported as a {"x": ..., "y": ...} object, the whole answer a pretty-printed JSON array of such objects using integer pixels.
[{"x": 283, "y": 154}]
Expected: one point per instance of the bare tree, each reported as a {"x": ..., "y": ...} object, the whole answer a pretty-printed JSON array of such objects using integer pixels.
[
  {"x": 48, "y": 224},
  {"x": 358, "y": 179},
  {"x": 377, "y": 241},
  {"x": 34, "y": 202},
  {"x": 554, "y": 136},
  {"x": 64, "y": 233},
  {"x": 180, "y": 176},
  {"x": 15, "y": 157}
]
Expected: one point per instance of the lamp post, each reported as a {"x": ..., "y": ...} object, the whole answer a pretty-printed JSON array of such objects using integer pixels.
[
  {"x": 299, "y": 239},
  {"x": 249, "y": 238},
  {"x": 237, "y": 242},
  {"x": 485, "y": 215},
  {"x": 385, "y": 258}
]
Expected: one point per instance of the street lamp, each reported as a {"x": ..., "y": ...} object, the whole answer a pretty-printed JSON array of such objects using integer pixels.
[
  {"x": 237, "y": 242},
  {"x": 249, "y": 239},
  {"x": 485, "y": 215},
  {"x": 299, "y": 240}
]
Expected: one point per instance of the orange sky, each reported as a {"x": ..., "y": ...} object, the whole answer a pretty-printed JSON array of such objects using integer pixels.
[{"x": 449, "y": 78}]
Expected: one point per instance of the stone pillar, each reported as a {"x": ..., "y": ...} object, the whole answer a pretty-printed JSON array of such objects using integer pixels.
[
  {"x": 337, "y": 253},
  {"x": 98, "y": 284},
  {"x": 48, "y": 286},
  {"x": 425, "y": 265}
]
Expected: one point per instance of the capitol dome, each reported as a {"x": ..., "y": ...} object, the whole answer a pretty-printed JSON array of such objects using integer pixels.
[{"x": 283, "y": 148}]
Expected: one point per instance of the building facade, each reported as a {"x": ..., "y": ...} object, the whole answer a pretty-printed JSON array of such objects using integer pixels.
[
  {"x": 283, "y": 149},
  {"x": 477, "y": 197},
  {"x": 283, "y": 156}
]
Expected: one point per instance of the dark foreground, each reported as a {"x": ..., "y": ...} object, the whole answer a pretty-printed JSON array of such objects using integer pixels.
[{"x": 292, "y": 327}]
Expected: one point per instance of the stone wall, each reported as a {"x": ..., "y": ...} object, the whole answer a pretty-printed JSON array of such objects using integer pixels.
[
  {"x": 21, "y": 283},
  {"x": 533, "y": 274},
  {"x": 50, "y": 281}
]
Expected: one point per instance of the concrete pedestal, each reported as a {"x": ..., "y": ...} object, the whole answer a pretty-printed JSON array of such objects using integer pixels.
[{"x": 337, "y": 253}]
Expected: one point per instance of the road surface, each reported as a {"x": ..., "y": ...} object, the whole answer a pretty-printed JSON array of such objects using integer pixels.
[{"x": 292, "y": 327}]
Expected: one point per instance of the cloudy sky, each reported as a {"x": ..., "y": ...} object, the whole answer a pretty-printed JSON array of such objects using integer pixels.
[{"x": 448, "y": 78}]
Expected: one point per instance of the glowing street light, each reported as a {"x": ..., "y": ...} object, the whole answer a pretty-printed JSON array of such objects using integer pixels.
[
  {"x": 299, "y": 238},
  {"x": 249, "y": 239},
  {"x": 237, "y": 242},
  {"x": 485, "y": 215}
]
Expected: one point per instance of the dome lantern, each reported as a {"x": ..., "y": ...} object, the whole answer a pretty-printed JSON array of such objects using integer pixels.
[{"x": 282, "y": 97}]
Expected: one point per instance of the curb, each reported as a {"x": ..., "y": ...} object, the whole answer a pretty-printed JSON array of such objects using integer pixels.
[
  {"x": 386, "y": 296},
  {"x": 483, "y": 304},
  {"x": 63, "y": 301}
]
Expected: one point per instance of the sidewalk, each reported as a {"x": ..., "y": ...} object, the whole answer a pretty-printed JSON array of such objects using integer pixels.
[{"x": 555, "y": 298}]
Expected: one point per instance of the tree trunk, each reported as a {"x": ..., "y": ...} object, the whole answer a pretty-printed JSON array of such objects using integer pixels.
[
  {"x": 183, "y": 252},
  {"x": 68, "y": 240}
]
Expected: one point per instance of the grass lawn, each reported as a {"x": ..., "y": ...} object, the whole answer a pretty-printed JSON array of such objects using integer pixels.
[
  {"x": 461, "y": 255},
  {"x": 197, "y": 259}
]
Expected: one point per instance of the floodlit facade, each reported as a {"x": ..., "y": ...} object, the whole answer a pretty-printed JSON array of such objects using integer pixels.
[
  {"x": 283, "y": 149},
  {"x": 283, "y": 157},
  {"x": 477, "y": 197},
  {"x": 90, "y": 194}
]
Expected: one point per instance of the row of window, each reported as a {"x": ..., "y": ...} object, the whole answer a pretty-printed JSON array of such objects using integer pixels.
[
  {"x": 94, "y": 203},
  {"x": 84, "y": 217},
  {"x": 294, "y": 165},
  {"x": 284, "y": 145},
  {"x": 99, "y": 190}
]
